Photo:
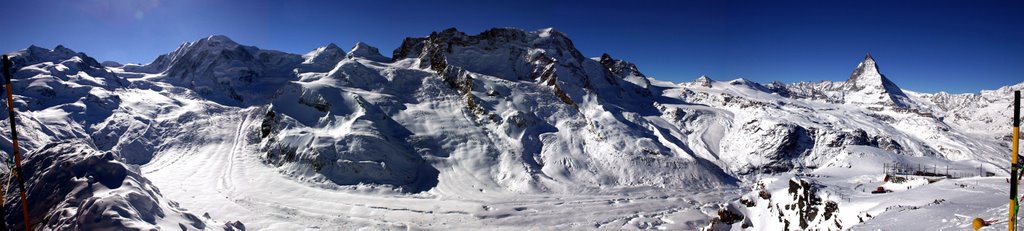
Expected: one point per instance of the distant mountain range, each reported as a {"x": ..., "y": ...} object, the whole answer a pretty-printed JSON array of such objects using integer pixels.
[{"x": 451, "y": 116}]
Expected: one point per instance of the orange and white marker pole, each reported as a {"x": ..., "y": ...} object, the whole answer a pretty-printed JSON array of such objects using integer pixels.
[{"x": 14, "y": 140}]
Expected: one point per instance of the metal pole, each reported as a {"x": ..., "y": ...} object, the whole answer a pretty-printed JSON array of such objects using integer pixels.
[
  {"x": 1013, "y": 162},
  {"x": 14, "y": 140}
]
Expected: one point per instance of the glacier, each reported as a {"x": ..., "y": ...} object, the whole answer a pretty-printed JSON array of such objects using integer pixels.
[{"x": 505, "y": 129}]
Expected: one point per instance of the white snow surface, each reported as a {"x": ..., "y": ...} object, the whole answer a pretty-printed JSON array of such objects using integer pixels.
[{"x": 507, "y": 129}]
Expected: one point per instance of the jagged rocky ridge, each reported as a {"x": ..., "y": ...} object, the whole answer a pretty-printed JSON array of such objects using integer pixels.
[{"x": 520, "y": 111}]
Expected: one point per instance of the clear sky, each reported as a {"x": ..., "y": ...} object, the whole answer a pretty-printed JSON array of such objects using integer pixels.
[{"x": 928, "y": 46}]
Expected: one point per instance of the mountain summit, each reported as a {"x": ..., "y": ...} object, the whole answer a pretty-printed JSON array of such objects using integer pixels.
[
  {"x": 363, "y": 50},
  {"x": 321, "y": 59},
  {"x": 868, "y": 86}
]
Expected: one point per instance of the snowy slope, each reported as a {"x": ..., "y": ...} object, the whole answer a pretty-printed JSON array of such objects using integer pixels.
[
  {"x": 71, "y": 186},
  {"x": 503, "y": 129}
]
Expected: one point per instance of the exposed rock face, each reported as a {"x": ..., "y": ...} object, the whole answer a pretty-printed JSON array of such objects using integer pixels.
[
  {"x": 778, "y": 88},
  {"x": 778, "y": 148},
  {"x": 619, "y": 67},
  {"x": 728, "y": 216},
  {"x": 626, "y": 71},
  {"x": 808, "y": 207},
  {"x": 826, "y": 91},
  {"x": 505, "y": 53}
]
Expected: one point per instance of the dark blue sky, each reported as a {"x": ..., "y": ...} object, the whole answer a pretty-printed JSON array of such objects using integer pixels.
[{"x": 954, "y": 46}]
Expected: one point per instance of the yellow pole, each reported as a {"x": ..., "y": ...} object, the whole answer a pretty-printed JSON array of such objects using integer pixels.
[{"x": 1013, "y": 160}]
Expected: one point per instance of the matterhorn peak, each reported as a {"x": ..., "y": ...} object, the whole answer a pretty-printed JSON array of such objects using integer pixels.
[
  {"x": 365, "y": 51},
  {"x": 868, "y": 69},
  {"x": 868, "y": 86}
]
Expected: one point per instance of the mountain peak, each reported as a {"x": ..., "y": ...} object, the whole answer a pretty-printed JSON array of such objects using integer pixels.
[
  {"x": 869, "y": 86},
  {"x": 225, "y": 71},
  {"x": 61, "y": 48},
  {"x": 215, "y": 42},
  {"x": 219, "y": 38},
  {"x": 619, "y": 67},
  {"x": 549, "y": 31},
  {"x": 327, "y": 55},
  {"x": 210, "y": 47},
  {"x": 35, "y": 54},
  {"x": 704, "y": 80},
  {"x": 867, "y": 70},
  {"x": 606, "y": 58},
  {"x": 363, "y": 50}
]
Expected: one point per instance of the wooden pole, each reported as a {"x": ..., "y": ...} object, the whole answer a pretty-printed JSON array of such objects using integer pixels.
[{"x": 14, "y": 140}]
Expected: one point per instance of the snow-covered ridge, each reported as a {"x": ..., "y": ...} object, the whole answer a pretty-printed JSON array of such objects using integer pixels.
[
  {"x": 472, "y": 124},
  {"x": 72, "y": 186},
  {"x": 224, "y": 71}
]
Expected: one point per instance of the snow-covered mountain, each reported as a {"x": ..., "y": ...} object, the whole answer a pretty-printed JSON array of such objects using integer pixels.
[
  {"x": 866, "y": 86},
  {"x": 224, "y": 71},
  {"x": 506, "y": 128}
]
